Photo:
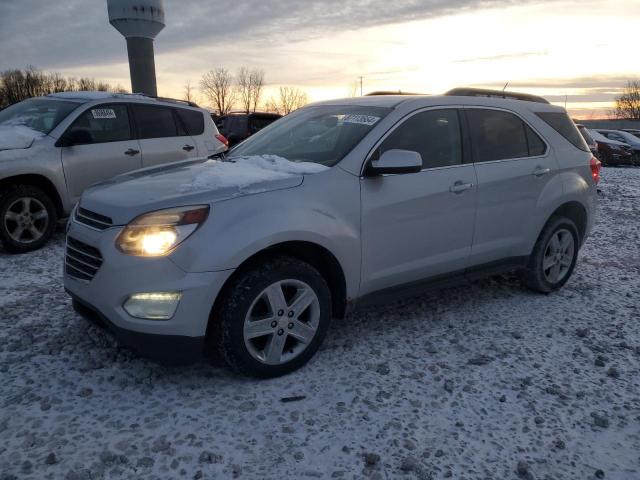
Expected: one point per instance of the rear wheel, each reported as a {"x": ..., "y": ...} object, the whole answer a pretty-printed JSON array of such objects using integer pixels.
[
  {"x": 27, "y": 218},
  {"x": 554, "y": 256},
  {"x": 273, "y": 318}
]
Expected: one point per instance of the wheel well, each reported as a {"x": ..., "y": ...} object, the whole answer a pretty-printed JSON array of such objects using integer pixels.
[
  {"x": 575, "y": 212},
  {"x": 37, "y": 181},
  {"x": 313, "y": 254}
]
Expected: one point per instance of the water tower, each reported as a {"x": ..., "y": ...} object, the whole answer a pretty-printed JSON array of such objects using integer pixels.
[{"x": 139, "y": 21}]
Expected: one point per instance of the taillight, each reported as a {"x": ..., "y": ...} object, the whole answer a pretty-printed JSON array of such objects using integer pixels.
[
  {"x": 223, "y": 139},
  {"x": 595, "y": 169}
]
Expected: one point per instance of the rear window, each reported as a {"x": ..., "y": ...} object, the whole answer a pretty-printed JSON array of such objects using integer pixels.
[
  {"x": 155, "y": 122},
  {"x": 562, "y": 124},
  {"x": 192, "y": 120}
]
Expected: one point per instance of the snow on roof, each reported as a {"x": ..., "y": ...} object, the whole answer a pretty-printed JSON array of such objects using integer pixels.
[
  {"x": 241, "y": 172},
  {"x": 90, "y": 96}
]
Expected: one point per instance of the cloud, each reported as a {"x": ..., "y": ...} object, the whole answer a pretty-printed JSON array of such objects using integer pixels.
[{"x": 76, "y": 32}]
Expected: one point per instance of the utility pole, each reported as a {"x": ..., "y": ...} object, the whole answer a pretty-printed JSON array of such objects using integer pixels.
[{"x": 360, "y": 85}]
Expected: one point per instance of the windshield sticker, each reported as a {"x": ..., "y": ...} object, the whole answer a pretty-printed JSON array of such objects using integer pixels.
[
  {"x": 361, "y": 119},
  {"x": 103, "y": 113}
]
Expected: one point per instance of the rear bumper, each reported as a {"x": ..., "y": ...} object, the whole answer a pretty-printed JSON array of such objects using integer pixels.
[{"x": 167, "y": 349}]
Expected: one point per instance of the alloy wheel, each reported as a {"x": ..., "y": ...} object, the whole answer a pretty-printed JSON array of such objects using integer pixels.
[
  {"x": 26, "y": 220},
  {"x": 558, "y": 256},
  {"x": 281, "y": 322}
]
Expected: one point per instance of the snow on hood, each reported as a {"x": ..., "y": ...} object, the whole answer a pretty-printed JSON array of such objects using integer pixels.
[
  {"x": 17, "y": 136},
  {"x": 598, "y": 137},
  {"x": 243, "y": 172}
]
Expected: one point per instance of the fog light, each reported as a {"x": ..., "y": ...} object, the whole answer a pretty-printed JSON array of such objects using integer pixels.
[{"x": 153, "y": 306}]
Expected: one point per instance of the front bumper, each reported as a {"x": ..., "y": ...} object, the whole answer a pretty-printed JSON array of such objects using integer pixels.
[{"x": 178, "y": 340}]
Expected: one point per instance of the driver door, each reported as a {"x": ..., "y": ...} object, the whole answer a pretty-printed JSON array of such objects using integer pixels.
[
  {"x": 419, "y": 225},
  {"x": 105, "y": 147}
]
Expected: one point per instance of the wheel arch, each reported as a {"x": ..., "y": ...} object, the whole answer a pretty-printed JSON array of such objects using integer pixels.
[
  {"x": 574, "y": 211},
  {"x": 39, "y": 181},
  {"x": 314, "y": 254}
]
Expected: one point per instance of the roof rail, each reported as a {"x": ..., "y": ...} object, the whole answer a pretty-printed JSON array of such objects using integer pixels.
[
  {"x": 167, "y": 99},
  {"x": 482, "y": 92},
  {"x": 384, "y": 92}
]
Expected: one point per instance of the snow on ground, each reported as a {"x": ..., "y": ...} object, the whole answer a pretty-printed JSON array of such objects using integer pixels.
[{"x": 475, "y": 382}]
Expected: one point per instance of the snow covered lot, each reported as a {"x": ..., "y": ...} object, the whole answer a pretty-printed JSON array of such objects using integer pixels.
[{"x": 487, "y": 381}]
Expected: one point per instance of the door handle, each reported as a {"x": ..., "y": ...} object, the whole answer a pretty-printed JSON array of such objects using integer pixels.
[
  {"x": 188, "y": 148},
  {"x": 539, "y": 171},
  {"x": 131, "y": 152},
  {"x": 460, "y": 187}
]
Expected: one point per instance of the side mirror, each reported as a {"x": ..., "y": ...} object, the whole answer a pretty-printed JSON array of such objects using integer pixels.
[
  {"x": 75, "y": 137},
  {"x": 395, "y": 162}
]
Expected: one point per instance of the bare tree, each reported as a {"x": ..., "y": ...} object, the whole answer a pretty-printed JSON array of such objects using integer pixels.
[
  {"x": 256, "y": 80},
  {"x": 17, "y": 85},
  {"x": 628, "y": 104},
  {"x": 292, "y": 98},
  {"x": 189, "y": 94},
  {"x": 217, "y": 86},
  {"x": 272, "y": 105},
  {"x": 249, "y": 84}
]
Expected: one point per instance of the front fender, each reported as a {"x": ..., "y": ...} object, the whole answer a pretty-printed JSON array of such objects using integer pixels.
[{"x": 239, "y": 228}]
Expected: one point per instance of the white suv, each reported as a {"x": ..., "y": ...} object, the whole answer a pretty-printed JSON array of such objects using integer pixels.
[
  {"x": 338, "y": 204},
  {"x": 53, "y": 147}
]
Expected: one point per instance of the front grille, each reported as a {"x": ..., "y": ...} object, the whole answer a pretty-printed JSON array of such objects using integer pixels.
[
  {"x": 81, "y": 260},
  {"x": 92, "y": 219}
]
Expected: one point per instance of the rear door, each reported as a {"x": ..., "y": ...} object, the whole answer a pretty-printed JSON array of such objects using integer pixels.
[
  {"x": 163, "y": 138},
  {"x": 107, "y": 147},
  {"x": 513, "y": 165},
  {"x": 419, "y": 225}
]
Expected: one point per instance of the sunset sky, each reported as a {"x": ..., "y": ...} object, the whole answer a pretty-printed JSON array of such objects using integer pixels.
[{"x": 579, "y": 51}]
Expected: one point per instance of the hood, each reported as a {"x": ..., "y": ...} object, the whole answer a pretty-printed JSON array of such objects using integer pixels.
[
  {"x": 192, "y": 182},
  {"x": 598, "y": 137},
  {"x": 13, "y": 137}
]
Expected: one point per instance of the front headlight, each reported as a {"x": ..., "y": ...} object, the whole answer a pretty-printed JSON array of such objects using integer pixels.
[{"x": 157, "y": 233}]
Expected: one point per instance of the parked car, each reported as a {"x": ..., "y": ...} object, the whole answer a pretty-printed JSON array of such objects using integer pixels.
[
  {"x": 612, "y": 152},
  {"x": 593, "y": 145},
  {"x": 624, "y": 137},
  {"x": 236, "y": 127},
  {"x": 337, "y": 205},
  {"x": 53, "y": 147},
  {"x": 633, "y": 131}
]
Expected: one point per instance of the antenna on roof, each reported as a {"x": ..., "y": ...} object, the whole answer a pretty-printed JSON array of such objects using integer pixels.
[{"x": 505, "y": 86}]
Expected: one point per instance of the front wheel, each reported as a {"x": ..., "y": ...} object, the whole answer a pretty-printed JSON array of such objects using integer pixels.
[
  {"x": 554, "y": 256},
  {"x": 27, "y": 218},
  {"x": 273, "y": 318}
]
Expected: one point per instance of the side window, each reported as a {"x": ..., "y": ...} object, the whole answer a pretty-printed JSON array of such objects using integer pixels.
[
  {"x": 434, "y": 134},
  {"x": 101, "y": 124},
  {"x": 497, "y": 135},
  {"x": 155, "y": 122},
  {"x": 536, "y": 145},
  {"x": 192, "y": 120}
]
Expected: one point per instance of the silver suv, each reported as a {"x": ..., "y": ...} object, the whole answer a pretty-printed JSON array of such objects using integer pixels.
[
  {"x": 53, "y": 147},
  {"x": 339, "y": 204}
]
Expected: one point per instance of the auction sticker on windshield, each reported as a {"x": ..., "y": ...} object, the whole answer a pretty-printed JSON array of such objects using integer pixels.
[
  {"x": 103, "y": 113},
  {"x": 361, "y": 119}
]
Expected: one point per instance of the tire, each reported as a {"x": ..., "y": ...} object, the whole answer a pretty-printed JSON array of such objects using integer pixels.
[
  {"x": 251, "y": 306},
  {"x": 28, "y": 208},
  {"x": 547, "y": 259}
]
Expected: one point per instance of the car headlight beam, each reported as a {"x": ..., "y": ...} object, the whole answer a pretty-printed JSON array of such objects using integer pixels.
[{"x": 158, "y": 233}]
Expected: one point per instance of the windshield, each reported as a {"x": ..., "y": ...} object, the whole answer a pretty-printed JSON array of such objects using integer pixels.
[
  {"x": 322, "y": 134},
  {"x": 37, "y": 113}
]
